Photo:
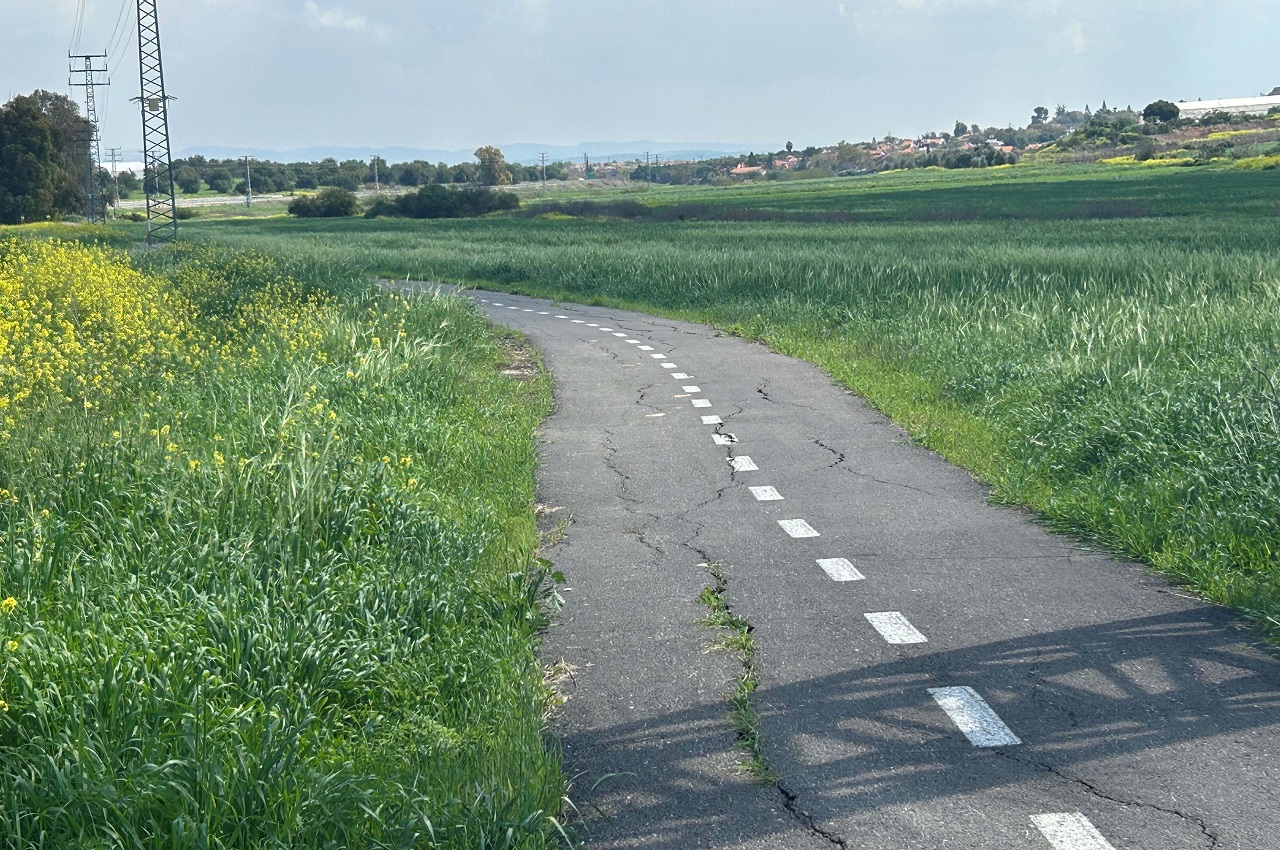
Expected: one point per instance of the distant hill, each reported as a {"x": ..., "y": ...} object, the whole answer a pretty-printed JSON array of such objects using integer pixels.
[{"x": 519, "y": 152}]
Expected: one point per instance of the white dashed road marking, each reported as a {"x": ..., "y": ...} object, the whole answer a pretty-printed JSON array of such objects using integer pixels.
[
  {"x": 798, "y": 528},
  {"x": 658, "y": 356},
  {"x": 1070, "y": 831},
  {"x": 840, "y": 569},
  {"x": 766, "y": 494},
  {"x": 681, "y": 376},
  {"x": 712, "y": 420},
  {"x": 702, "y": 402},
  {"x": 543, "y": 313},
  {"x": 528, "y": 310},
  {"x": 606, "y": 330},
  {"x": 593, "y": 326},
  {"x": 692, "y": 389},
  {"x": 562, "y": 317},
  {"x": 579, "y": 321},
  {"x": 972, "y": 716},
  {"x": 668, "y": 365},
  {"x": 618, "y": 334},
  {"x": 895, "y": 628},
  {"x": 743, "y": 464},
  {"x": 633, "y": 342},
  {"x": 497, "y": 303},
  {"x": 723, "y": 439},
  {"x": 646, "y": 348}
]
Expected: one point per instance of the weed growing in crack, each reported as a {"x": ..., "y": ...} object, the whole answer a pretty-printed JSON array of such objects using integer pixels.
[{"x": 736, "y": 637}]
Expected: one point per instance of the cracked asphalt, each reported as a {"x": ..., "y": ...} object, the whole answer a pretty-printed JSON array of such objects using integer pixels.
[{"x": 1151, "y": 713}]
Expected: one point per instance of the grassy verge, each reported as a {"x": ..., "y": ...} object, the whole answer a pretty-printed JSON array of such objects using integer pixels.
[
  {"x": 266, "y": 541},
  {"x": 1116, "y": 375}
]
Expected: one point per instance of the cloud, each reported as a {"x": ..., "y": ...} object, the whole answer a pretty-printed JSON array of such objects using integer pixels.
[{"x": 334, "y": 19}]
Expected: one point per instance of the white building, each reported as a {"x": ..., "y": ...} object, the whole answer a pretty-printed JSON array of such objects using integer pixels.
[{"x": 1196, "y": 109}]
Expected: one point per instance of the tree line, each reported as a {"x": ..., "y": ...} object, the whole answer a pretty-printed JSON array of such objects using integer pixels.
[{"x": 44, "y": 149}]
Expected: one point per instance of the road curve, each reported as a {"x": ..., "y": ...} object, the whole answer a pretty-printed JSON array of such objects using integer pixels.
[{"x": 936, "y": 671}]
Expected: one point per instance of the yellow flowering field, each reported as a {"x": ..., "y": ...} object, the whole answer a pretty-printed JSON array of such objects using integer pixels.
[
  {"x": 266, "y": 560},
  {"x": 77, "y": 324}
]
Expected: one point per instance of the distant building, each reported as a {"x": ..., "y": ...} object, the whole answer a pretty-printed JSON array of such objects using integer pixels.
[
  {"x": 1196, "y": 109},
  {"x": 743, "y": 169}
]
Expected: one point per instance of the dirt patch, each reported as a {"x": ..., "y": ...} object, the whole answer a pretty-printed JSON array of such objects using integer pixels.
[{"x": 519, "y": 359}]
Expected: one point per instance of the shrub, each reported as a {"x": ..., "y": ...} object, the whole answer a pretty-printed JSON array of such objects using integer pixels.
[
  {"x": 330, "y": 202},
  {"x": 436, "y": 201}
]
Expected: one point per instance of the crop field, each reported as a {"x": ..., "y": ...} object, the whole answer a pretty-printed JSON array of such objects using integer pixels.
[
  {"x": 267, "y": 559},
  {"x": 1103, "y": 348}
]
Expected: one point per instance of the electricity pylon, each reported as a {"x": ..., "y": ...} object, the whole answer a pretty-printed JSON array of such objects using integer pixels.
[
  {"x": 94, "y": 210},
  {"x": 162, "y": 205}
]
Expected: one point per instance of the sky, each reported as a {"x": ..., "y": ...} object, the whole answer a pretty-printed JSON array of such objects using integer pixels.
[{"x": 282, "y": 74}]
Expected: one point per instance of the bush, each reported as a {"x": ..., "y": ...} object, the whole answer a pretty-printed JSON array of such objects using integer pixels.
[
  {"x": 436, "y": 201},
  {"x": 330, "y": 202}
]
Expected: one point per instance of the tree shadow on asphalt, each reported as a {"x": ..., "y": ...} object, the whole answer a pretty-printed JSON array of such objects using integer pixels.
[{"x": 873, "y": 737}]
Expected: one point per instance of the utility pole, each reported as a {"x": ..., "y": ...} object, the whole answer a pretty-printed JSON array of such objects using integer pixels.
[
  {"x": 93, "y": 209},
  {"x": 543, "y": 158},
  {"x": 248, "y": 182},
  {"x": 114, "y": 153},
  {"x": 162, "y": 205},
  {"x": 377, "y": 186}
]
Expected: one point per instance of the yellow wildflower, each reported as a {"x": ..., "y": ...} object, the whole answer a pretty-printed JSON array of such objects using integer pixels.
[
  {"x": 13, "y": 645},
  {"x": 9, "y": 605},
  {"x": 4, "y": 706},
  {"x": 193, "y": 464}
]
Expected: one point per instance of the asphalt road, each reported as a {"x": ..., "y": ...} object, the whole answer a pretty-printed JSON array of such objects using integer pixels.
[{"x": 983, "y": 684}]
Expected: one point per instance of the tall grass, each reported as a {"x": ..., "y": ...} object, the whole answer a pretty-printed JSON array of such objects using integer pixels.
[
  {"x": 1118, "y": 376},
  {"x": 284, "y": 597}
]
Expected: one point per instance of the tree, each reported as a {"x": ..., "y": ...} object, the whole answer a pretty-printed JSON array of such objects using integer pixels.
[
  {"x": 1161, "y": 112},
  {"x": 790, "y": 147},
  {"x": 219, "y": 180},
  {"x": 493, "y": 167},
  {"x": 961, "y": 129},
  {"x": 752, "y": 162},
  {"x": 28, "y": 163},
  {"x": 187, "y": 179},
  {"x": 1039, "y": 116},
  {"x": 129, "y": 183}
]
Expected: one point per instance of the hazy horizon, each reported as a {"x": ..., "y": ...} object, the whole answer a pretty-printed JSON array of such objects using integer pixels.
[{"x": 446, "y": 76}]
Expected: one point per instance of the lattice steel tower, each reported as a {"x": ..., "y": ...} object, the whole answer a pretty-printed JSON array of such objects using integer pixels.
[
  {"x": 94, "y": 209},
  {"x": 162, "y": 210}
]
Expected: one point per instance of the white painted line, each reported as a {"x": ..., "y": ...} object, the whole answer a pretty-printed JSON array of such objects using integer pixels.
[
  {"x": 618, "y": 334},
  {"x": 606, "y": 330},
  {"x": 743, "y": 464},
  {"x": 646, "y": 348},
  {"x": 766, "y": 494},
  {"x": 528, "y": 310},
  {"x": 593, "y": 326},
  {"x": 1070, "y": 831},
  {"x": 513, "y": 307},
  {"x": 496, "y": 303},
  {"x": 840, "y": 569},
  {"x": 798, "y": 528},
  {"x": 579, "y": 321},
  {"x": 562, "y": 317},
  {"x": 895, "y": 628},
  {"x": 723, "y": 439},
  {"x": 712, "y": 420},
  {"x": 972, "y": 716},
  {"x": 633, "y": 342},
  {"x": 681, "y": 376},
  {"x": 692, "y": 389},
  {"x": 668, "y": 365},
  {"x": 658, "y": 356},
  {"x": 702, "y": 402},
  {"x": 543, "y": 313}
]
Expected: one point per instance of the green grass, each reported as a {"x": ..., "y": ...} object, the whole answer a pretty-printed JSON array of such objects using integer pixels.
[
  {"x": 1117, "y": 375},
  {"x": 288, "y": 599}
]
